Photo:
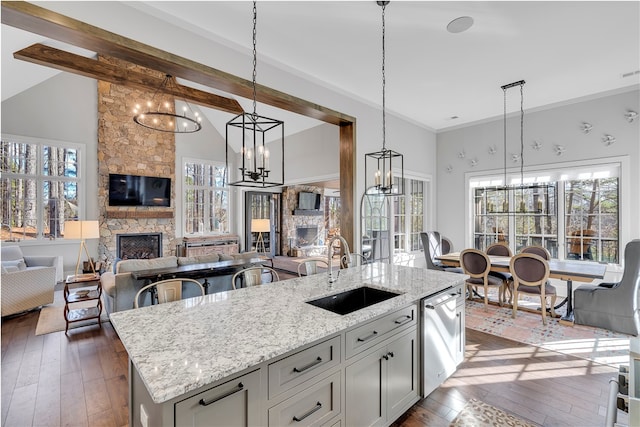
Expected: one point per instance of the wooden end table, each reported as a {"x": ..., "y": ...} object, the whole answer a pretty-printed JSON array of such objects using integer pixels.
[{"x": 72, "y": 315}]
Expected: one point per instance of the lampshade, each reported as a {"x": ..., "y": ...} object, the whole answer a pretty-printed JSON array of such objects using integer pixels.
[
  {"x": 260, "y": 225},
  {"x": 81, "y": 230}
]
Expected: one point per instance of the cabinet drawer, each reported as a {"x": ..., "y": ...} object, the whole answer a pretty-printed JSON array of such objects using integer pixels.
[
  {"x": 234, "y": 403},
  {"x": 367, "y": 335},
  {"x": 299, "y": 367},
  {"x": 314, "y": 406}
]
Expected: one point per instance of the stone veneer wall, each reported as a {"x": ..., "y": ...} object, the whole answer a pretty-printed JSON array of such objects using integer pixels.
[
  {"x": 291, "y": 221},
  {"x": 127, "y": 148}
]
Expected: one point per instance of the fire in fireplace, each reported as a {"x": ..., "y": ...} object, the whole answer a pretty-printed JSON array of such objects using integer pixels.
[{"x": 139, "y": 245}]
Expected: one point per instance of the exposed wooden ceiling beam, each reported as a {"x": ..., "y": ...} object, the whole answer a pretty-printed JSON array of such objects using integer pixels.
[
  {"x": 77, "y": 64},
  {"x": 35, "y": 19}
]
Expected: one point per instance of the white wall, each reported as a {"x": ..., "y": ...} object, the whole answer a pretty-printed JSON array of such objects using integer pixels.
[
  {"x": 558, "y": 125},
  {"x": 63, "y": 108}
]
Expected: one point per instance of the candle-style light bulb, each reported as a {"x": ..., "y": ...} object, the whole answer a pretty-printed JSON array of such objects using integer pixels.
[
  {"x": 377, "y": 178},
  {"x": 266, "y": 159}
]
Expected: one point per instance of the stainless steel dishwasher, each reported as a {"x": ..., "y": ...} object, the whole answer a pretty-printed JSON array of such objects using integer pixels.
[{"x": 442, "y": 318}]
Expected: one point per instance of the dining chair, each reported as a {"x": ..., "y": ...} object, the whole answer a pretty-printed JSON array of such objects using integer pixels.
[
  {"x": 310, "y": 266},
  {"x": 476, "y": 264},
  {"x": 253, "y": 276},
  {"x": 538, "y": 250},
  {"x": 168, "y": 290},
  {"x": 530, "y": 274},
  {"x": 502, "y": 249},
  {"x": 432, "y": 246},
  {"x": 446, "y": 246},
  {"x": 613, "y": 306}
]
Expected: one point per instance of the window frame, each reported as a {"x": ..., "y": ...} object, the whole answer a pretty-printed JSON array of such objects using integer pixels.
[
  {"x": 40, "y": 178},
  {"x": 210, "y": 203}
]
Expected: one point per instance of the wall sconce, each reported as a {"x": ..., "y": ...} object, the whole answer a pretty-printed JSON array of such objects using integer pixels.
[
  {"x": 631, "y": 116},
  {"x": 559, "y": 149},
  {"x": 586, "y": 127},
  {"x": 608, "y": 140}
]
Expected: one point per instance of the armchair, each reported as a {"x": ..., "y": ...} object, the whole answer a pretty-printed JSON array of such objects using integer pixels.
[
  {"x": 613, "y": 306},
  {"x": 27, "y": 281}
]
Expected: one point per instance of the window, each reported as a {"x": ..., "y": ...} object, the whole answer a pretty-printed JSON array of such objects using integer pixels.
[
  {"x": 206, "y": 199},
  {"x": 589, "y": 207},
  {"x": 40, "y": 187},
  {"x": 591, "y": 219},
  {"x": 409, "y": 217}
]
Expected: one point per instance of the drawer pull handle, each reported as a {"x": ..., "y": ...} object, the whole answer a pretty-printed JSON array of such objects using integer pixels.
[
  {"x": 368, "y": 337},
  {"x": 309, "y": 366},
  {"x": 403, "y": 319},
  {"x": 203, "y": 402},
  {"x": 315, "y": 409}
]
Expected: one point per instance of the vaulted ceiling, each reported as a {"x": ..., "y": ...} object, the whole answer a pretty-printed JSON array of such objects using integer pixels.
[{"x": 564, "y": 50}]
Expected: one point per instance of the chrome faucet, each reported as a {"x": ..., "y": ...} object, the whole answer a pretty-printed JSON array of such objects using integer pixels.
[{"x": 347, "y": 254}]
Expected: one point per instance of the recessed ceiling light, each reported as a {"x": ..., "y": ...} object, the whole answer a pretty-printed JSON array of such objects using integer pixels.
[{"x": 460, "y": 24}]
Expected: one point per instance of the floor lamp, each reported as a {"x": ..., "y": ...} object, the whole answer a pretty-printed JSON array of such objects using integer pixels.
[
  {"x": 82, "y": 230},
  {"x": 260, "y": 226}
]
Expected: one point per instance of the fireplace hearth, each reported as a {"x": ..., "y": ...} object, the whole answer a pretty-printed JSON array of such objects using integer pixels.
[{"x": 139, "y": 245}]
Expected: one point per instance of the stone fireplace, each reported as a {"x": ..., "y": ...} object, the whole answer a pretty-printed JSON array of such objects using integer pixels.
[
  {"x": 139, "y": 245},
  {"x": 304, "y": 231}
]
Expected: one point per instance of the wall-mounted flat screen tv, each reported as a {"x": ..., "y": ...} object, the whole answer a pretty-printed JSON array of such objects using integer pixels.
[
  {"x": 308, "y": 201},
  {"x": 135, "y": 190}
]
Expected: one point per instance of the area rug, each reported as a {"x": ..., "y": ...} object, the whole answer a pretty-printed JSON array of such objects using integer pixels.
[
  {"x": 52, "y": 316},
  {"x": 595, "y": 344},
  {"x": 479, "y": 414}
]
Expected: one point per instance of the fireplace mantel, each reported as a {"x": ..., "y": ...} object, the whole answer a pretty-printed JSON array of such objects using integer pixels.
[
  {"x": 147, "y": 213},
  {"x": 308, "y": 212}
]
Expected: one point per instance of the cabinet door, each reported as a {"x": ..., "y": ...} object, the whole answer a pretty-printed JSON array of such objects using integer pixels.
[
  {"x": 460, "y": 334},
  {"x": 402, "y": 377},
  {"x": 234, "y": 403},
  {"x": 365, "y": 397}
]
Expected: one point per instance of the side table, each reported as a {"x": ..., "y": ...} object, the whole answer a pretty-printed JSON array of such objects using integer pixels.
[{"x": 72, "y": 315}]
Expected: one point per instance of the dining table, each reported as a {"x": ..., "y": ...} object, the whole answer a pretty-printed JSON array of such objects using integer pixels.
[{"x": 567, "y": 270}]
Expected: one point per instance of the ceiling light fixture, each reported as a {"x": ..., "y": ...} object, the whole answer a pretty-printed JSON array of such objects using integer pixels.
[
  {"x": 383, "y": 161},
  {"x": 251, "y": 129},
  {"x": 160, "y": 114},
  {"x": 460, "y": 24}
]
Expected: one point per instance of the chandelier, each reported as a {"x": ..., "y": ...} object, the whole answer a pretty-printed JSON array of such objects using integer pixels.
[
  {"x": 526, "y": 198},
  {"x": 253, "y": 132},
  {"x": 379, "y": 166},
  {"x": 160, "y": 113}
]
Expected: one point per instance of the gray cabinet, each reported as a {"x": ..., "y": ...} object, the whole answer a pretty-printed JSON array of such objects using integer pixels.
[
  {"x": 234, "y": 403},
  {"x": 383, "y": 383}
]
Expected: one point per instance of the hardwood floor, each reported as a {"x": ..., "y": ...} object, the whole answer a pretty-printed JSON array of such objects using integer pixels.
[{"x": 81, "y": 380}]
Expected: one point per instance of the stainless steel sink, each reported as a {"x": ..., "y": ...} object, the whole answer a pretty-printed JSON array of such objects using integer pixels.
[{"x": 355, "y": 299}]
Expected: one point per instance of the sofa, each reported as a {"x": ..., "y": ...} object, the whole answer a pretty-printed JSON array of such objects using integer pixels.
[
  {"x": 120, "y": 288},
  {"x": 27, "y": 282}
]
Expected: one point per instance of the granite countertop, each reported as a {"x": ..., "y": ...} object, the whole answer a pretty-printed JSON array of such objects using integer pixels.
[{"x": 181, "y": 346}]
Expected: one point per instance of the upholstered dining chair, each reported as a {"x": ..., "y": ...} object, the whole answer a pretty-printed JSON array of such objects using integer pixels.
[
  {"x": 168, "y": 290},
  {"x": 446, "y": 246},
  {"x": 476, "y": 264},
  {"x": 309, "y": 266},
  {"x": 530, "y": 274},
  {"x": 253, "y": 276},
  {"x": 501, "y": 249},
  {"x": 538, "y": 250},
  {"x": 613, "y": 306},
  {"x": 432, "y": 245}
]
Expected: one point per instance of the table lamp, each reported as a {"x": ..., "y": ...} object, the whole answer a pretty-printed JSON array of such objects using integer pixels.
[
  {"x": 260, "y": 226},
  {"x": 82, "y": 230}
]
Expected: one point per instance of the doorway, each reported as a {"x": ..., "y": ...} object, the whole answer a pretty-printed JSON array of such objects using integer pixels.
[{"x": 262, "y": 222}]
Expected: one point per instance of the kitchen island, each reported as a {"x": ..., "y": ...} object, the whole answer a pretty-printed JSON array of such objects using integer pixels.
[{"x": 180, "y": 351}]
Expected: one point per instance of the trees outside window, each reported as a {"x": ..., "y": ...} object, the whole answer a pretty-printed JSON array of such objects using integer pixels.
[
  {"x": 205, "y": 199},
  {"x": 39, "y": 188}
]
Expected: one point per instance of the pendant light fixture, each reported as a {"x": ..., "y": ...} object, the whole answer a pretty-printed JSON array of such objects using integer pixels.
[
  {"x": 253, "y": 132},
  {"x": 379, "y": 166},
  {"x": 160, "y": 114},
  {"x": 526, "y": 198}
]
